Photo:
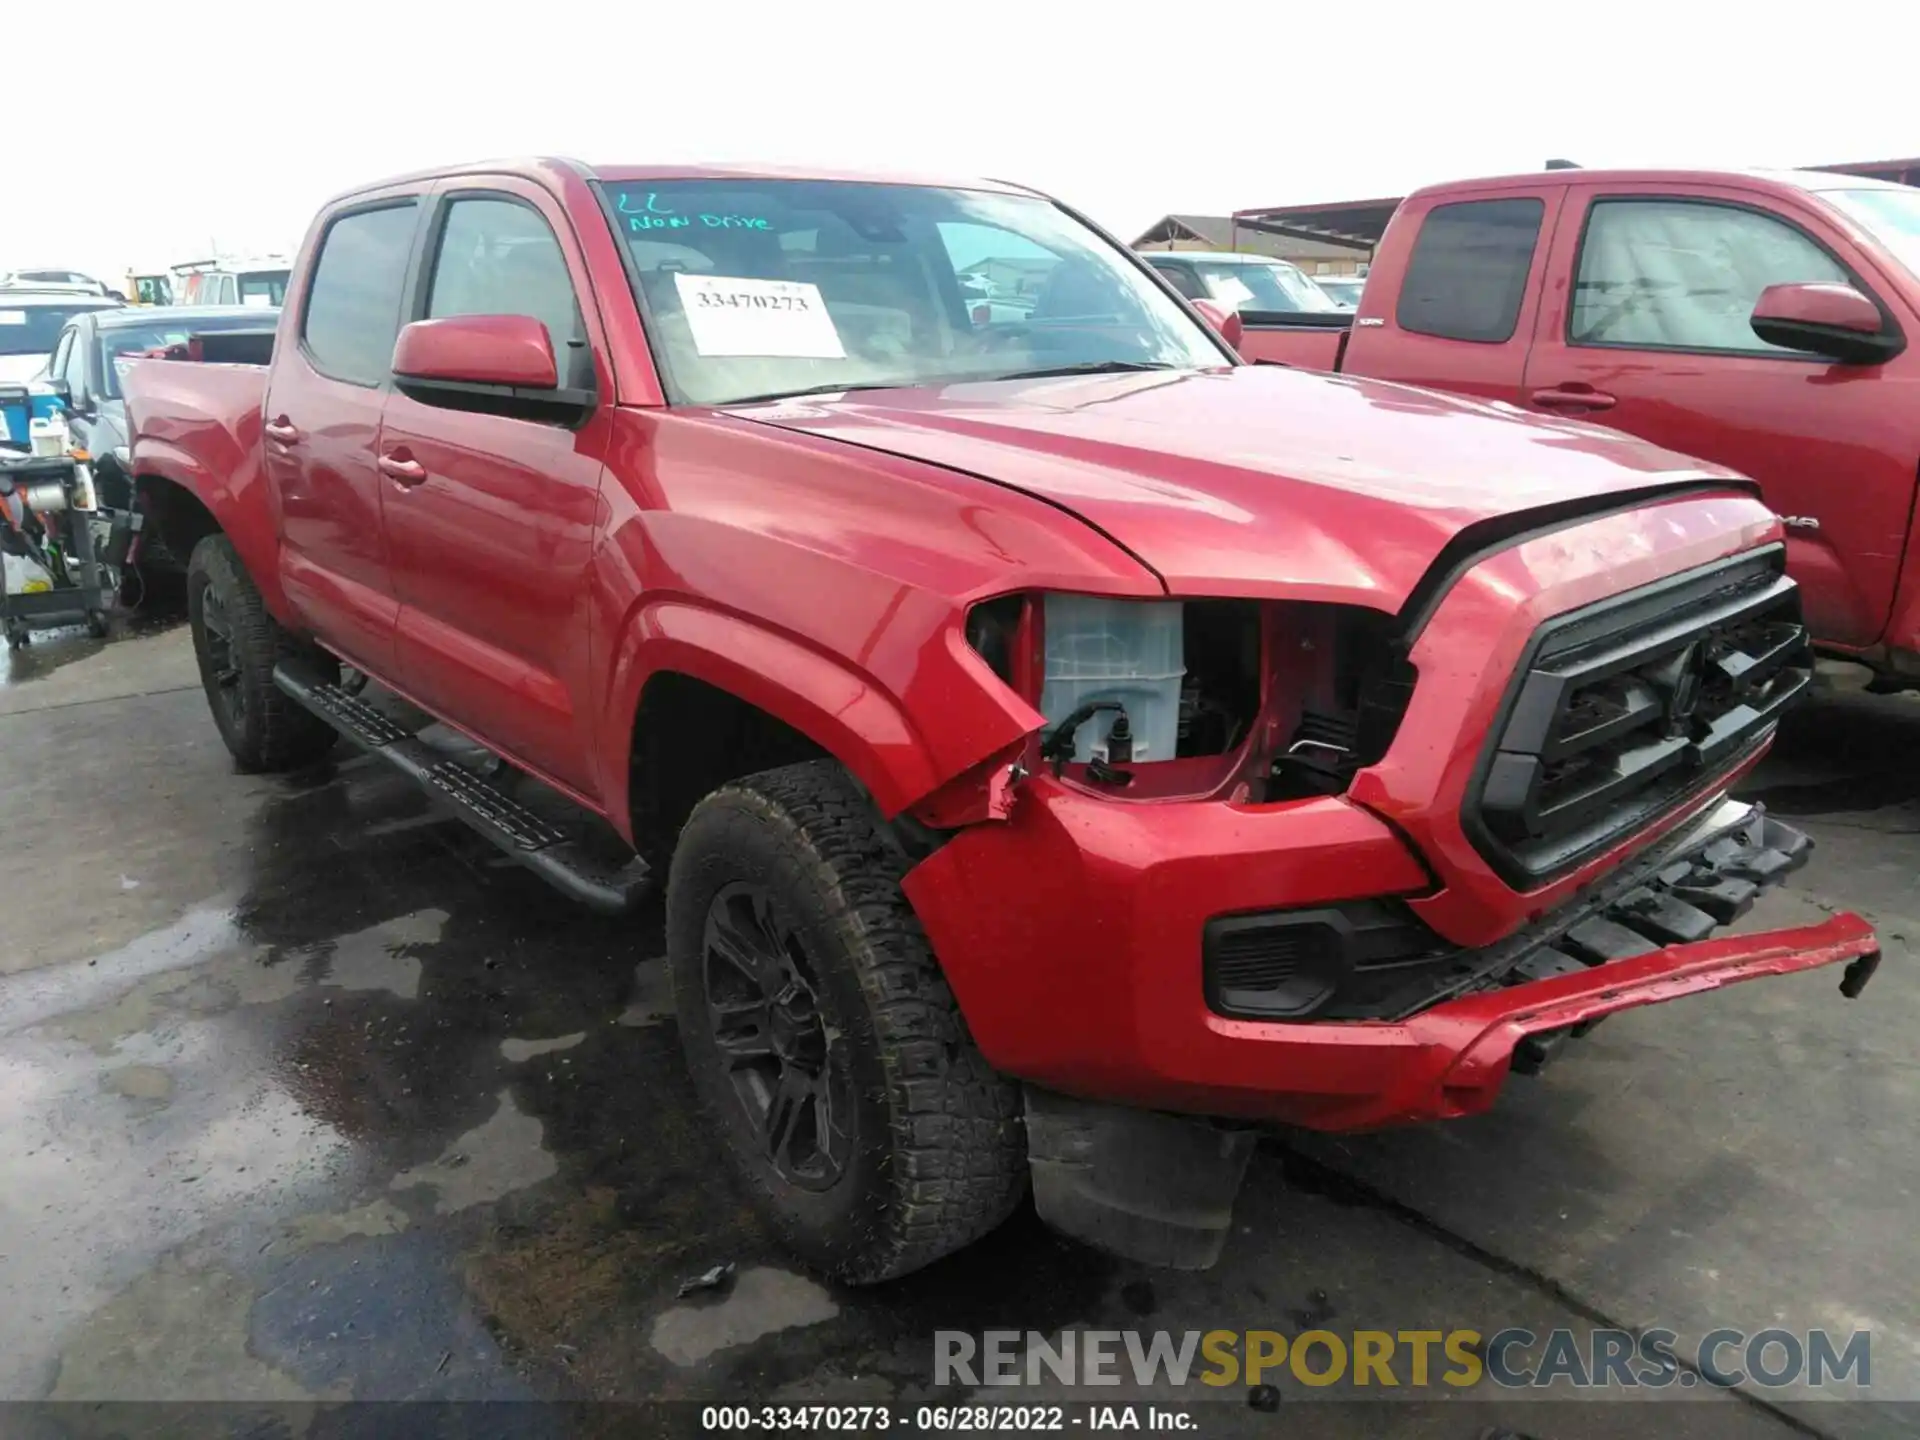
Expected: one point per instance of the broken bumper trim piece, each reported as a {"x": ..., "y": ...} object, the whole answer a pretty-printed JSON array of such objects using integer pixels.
[{"x": 1476, "y": 1037}]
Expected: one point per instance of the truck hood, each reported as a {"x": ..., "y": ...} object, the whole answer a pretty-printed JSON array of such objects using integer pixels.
[{"x": 1254, "y": 480}]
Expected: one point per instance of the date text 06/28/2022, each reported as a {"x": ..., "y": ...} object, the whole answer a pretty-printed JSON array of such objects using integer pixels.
[{"x": 995, "y": 1419}]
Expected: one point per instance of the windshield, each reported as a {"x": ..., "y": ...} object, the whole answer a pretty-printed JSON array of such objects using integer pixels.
[
  {"x": 1271, "y": 285},
  {"x": 756, "y": 289},
  {"x": 33, "y": 329},
  {"x": 1892, "y": 215},
  {"x": 1347, "y": 292},
  {"x": 263, "y": 287},
  {"x": 121, "y": 344}
]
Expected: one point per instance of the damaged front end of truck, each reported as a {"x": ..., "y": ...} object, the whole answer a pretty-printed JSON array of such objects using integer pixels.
[{"x": 1278, "y": 862}]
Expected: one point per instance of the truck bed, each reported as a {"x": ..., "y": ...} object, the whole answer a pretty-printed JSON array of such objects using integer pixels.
[
  {"x": 173, "y": 400},
  {"x": 1304, "y": 341}
]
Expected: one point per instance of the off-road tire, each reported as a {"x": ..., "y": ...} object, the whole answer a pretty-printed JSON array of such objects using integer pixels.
[
  {"x": 938, "y": 1156},
  {"x": 266, "y": 730}
]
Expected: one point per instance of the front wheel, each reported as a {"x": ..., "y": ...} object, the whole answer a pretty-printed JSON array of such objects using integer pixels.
[
  {"x": 869, "y": 1132},
  {"x": 237, "y": 644}
]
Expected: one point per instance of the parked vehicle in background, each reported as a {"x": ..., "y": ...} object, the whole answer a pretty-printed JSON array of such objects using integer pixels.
[
  {"x": 30, "y": 323},
  {"x": 56, "y": 279},
  {"x": 1052, "y": 733},
  {"x": 261, "y": 283},
  {"x": 149, "y": 287},
  {"x": 1250, "y": 284},
  {"x": 89, "y": 358},
  {"x": 1343, "y": 290},
  {"x": 1761, "y": 321}
]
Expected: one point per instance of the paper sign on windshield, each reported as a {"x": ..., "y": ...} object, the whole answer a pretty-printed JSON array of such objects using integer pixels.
[
  {"x": 730, "y": 315},
  {"x": 13, "y": 317},
  {"x": 1232, "y": 289}
]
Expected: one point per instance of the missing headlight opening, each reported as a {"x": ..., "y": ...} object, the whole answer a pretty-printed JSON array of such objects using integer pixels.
[
  {"x": 1352, "y": 692},
  {"x": 1139, "y": 683},
  {"x": 1135, "y": 683}
]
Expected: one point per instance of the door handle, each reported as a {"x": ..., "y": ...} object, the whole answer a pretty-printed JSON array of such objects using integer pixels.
[
  {"x": 1570, "y": 397},
  {"x": 401, "y": 468},
  {"x": 282, "y": 430}
]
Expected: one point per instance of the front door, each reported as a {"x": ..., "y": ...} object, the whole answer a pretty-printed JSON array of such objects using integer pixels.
[
  {"x": 1654, "y": 339},
  {"x": 322, "y": 422},
  {"x": 492, "y": 521}
]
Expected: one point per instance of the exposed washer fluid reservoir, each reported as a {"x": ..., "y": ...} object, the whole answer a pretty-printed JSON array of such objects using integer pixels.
[{"x": 1130, "y": 651}]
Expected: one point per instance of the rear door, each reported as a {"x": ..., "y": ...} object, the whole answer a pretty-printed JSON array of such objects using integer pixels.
[
  {"x": 1652, "y": 336},
  {"x": 324, "y": 398},
  {"x": 1471, "y": 265},
  {"x": 493, "y": 520}
]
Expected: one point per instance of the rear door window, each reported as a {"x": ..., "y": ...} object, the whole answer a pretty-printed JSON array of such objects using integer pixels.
[
  {"x": 1467, "y": 278},
  {"x": 353, "y": 303}
]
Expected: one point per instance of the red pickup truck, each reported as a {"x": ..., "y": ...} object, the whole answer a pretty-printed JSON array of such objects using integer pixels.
[
  {"x": 1760, "y": 321},
  {"x": 1063, "y": 744}
]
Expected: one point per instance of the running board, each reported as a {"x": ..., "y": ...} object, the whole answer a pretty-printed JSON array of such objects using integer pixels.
[{"x": 524, "y": 837}]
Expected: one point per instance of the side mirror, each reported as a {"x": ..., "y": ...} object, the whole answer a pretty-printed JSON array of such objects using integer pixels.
[
  {"x": 1836, "y": 321},
  {"x": 507, "y": 352},
  {"x": 1226, "y": 323}
]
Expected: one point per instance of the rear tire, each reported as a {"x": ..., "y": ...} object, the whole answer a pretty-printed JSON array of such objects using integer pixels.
[
  {"x": 237, "y": 644},
  {"x": 868, "y": 1131}
]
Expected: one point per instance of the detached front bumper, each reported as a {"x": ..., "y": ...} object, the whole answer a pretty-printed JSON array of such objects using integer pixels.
[
  {"x": 1072, "y": 936},
  {"x": 1468, "y": 1046}
]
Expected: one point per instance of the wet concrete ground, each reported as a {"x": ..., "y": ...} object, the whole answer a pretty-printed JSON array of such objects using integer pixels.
[{"x": 304, "y": 1097}]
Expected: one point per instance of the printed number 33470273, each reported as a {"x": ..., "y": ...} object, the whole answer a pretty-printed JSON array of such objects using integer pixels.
[{"x": 734, "y": 300}]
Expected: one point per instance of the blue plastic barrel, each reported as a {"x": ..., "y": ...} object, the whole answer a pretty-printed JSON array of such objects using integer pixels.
[{"x": 16, "y": 410}]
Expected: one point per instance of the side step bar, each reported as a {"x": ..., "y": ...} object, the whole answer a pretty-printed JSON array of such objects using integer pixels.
[{"x": 524, "y": 837}]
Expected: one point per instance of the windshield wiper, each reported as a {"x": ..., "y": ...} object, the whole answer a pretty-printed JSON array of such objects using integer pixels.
[
  {"x": 834, "y": 387},
  {"x": 1090, "y": 367}
]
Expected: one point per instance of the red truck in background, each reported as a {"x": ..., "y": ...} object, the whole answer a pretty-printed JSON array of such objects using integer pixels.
[
  {"x": 1061, "y": 744},
  {"x": 1760, "y": 321}
]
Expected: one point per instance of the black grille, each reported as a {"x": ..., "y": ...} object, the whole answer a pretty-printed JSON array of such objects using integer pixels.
[{"x": 1625, "y": 708}]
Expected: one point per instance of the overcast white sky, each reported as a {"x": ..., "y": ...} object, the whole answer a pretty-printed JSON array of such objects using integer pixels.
[{"x": 143, "y": 132}]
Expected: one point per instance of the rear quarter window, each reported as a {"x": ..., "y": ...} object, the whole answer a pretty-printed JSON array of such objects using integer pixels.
[
  {"x": 353, "y": 303},
  {"x": 1468, "y": 275}
]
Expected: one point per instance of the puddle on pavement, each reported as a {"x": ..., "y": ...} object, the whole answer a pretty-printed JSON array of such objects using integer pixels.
[
  {"x": 490, "y": 1161},
  {"x": 53, "y": 650},
  {"x": 146, "y": 1083},
  {"x": 502, "y": 1162}
]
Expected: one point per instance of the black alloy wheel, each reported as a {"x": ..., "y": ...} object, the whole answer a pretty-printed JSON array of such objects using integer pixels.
[{"x": 782, "y": 1059}]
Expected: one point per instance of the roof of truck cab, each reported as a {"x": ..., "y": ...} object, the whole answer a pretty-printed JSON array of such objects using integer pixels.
[
  {"x": 39, "y": 295},
  {"x": 131, "y": 316},
  {"x": 1361, "y": 223},
  {"x": 1788, "y": 179},
  {"x": 557, "y": 168},
  {"x": 619, "y": 174}
]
